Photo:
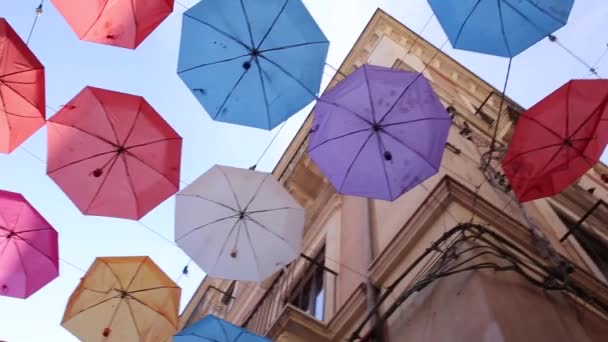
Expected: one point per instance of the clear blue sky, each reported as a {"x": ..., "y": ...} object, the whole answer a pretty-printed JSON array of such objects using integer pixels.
[{"x": 151, "y": 71}]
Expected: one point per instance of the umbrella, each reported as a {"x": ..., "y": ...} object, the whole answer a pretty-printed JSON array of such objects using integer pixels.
[
  {"x": 124, "y": 23},
  {"x": 212, "y": 328},
  {"x": 22, "y": 106},
  {"x": 252, "y": 63},
  {"x": 557, "y": 140},
  {"x": 379, "y": 132},
  {"x": 500, "y": 27},
  {"x": 112, "y": 154},
  {"x": 123, "y": 299},
  {"x": 29, "y": 257},
  {"x": 238, "y": 224}
]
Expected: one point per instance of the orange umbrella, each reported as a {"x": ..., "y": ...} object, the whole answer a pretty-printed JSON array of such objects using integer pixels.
[{"x": 123, "y": 299}]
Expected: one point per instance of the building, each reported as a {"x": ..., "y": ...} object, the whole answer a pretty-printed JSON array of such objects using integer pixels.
[{"x": 455, "y": 259}]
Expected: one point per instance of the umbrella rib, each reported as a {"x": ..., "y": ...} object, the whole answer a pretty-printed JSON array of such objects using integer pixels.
[
  {"x": 248, "y": 23},
  {"x": 113, "y": 273},
  {"x": 236, "y": 200},
  {"x": 268, "y": 230},
  {"x": 134, "y": 20},
  {"x": 213, "y": 63},
  {"x": 218, "y": 30},
  {"x": 255, "y": 255},
  {"x": 411, "y": 149},
  {"x": 19, "y": 115},
  {"x": 381, "y": 147},
  {"x": 152, "y": 142},
  {"x": 25, "y": 281},
  {"x": 79, "y": 161},
  {"x": 131, "y": 185},
  {"x": 310, "y": 92},
  {"x": 230, "y": 94},
  {"x": 294, "y": 46},
  {"x": 98, "y": 291},
  {"x": 567, "y": 118},
  {"x": 224, "y": 244},
  {"x": 542, "y": 10},
  {"x": 257, "y": 62},
  {"x": 270, "y": 210},
  {"x": 141, "y": 102},
  {"x": 354, "y": 160},
  {"x": 83, "y": 131},
  {"x": 595, "y": 111},
  {"x": 17, "y": 73},
  {"x": 29, "y": 243},
  {"x": 152, "y": 309},
  {"x": 338, "y": 137},
  {"x": 133, "y": 155},
  {"x": 561, "y": 138},
  {"x": 210, "y": 200},
  {"x": 33, "y": 230},
  {"x": 415, "y": 120},
  {"x": 531, "y": 22},
  {"x": 136, "y": 273},
  {"x": 105, "y": 113},
  {"x": 272, "y": 25},
  {"x": 96, "y": 305},
  {"x": 502, "y": 30},
  {"x": 154, "y": 288},
  {"x": 369, "y": 93},
  {"x": 257, "y": 191},
  {"x": 101, "y": 10},
  {"x": 399, "y": 97},
  {"x": 8, "y": 122},
  {"x": 206, "y": 225},
  {"x": 103, "y": 182},
  {"x": 133, "y": 319},
  {"x": 464, "y": 23}
]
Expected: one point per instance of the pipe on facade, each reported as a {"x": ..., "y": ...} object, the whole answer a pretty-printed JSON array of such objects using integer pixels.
[{"x": 371, "y": 290}]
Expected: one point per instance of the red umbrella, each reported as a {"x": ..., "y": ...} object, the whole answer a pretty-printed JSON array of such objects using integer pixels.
[
  {"x": 21, "y": 90},
  {"x": 113, "y": 154},
  {"x": 124, "y": 23},
  {"x": 29, "y": 257},
  {"x": 558, "y": 140}
]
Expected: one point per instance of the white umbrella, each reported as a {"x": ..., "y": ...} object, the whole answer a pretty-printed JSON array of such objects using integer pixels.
[{"x": 238, "y": 224}]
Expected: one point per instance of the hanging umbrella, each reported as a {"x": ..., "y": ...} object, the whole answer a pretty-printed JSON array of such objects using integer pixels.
[
  {"x": 123, "y": 299},
  {"x": 29, "y": 257},
  {"x": 212, "y": 328},
  {"x": 238, "y": 224},
  {"x": 113, "y": 154},
  {"x": 558, "y": 140},
  {"x": 500, "y": 27},
  {"x": 252, "y": 63},
  {"x": 22, "y": 106},
  {"x": 379, "y": 133},
  {"x": 123, "y": 23}
]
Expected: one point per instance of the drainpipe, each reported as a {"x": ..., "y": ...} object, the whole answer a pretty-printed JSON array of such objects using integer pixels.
[{"x": 372, "y": 296}]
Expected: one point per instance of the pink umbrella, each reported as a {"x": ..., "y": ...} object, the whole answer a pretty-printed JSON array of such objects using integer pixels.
[{"x": 29, "y": 257}]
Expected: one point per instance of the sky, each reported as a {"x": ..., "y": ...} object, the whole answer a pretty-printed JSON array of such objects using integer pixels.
[{"x": 150, "y": 71}]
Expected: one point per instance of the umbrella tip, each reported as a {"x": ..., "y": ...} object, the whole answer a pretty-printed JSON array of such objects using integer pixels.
[
  {"x": 4, "y": 288},
  {"x": 97, "y": 173},
  {"x": 234, "y": 253},
  {"x": 106, "y": 332},
  {"x": 253, "y": 167},
  {"x": 388, "y": 156},
  {"x": 185, "y": 270}
]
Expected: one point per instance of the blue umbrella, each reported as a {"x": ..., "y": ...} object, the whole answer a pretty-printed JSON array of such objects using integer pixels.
[
  {"x": 500, "y": 27},
  {"x": 249, "y": 62},
  {"x": 215, "y": 329}
]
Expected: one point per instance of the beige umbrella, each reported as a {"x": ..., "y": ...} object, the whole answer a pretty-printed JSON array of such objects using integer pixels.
[{"x": 123, "y": 299}]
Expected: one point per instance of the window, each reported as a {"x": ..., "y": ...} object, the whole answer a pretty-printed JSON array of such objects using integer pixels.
[
  {"x": 595, "y": 246},
  {"x": 309, "y": 295},
  {"x": 485, "y": 117}
]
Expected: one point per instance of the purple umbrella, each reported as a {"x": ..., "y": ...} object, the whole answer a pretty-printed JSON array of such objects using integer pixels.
[{"x": 379, "y": 133}]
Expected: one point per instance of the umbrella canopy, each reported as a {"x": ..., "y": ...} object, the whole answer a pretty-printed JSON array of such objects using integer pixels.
[
  {"x": 123, "y": 23},
  {"x": 238, "y": 224},
  {"x": 22, "y": 106},
  {"x": 252, "y": 63},
  {"x": 500, "y": 27},
  {"x": 123, "y": 299},
  {"x": 212, "y": 328},
  {"x": 29, "y": 256},
  {"x": 113, "y": 154},
  {"x": 557, "y": 140},
  {"x": 379, "y": 132}
]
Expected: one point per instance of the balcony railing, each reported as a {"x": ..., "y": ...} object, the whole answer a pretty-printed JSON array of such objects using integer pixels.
[{"x": 303, "y": 283}]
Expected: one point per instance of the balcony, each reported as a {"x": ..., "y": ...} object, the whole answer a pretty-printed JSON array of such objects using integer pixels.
[{"x": 306, "y": 284}]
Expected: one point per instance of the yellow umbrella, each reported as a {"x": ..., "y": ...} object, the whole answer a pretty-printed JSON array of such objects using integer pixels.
[{"x": 123, "y": 299}]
